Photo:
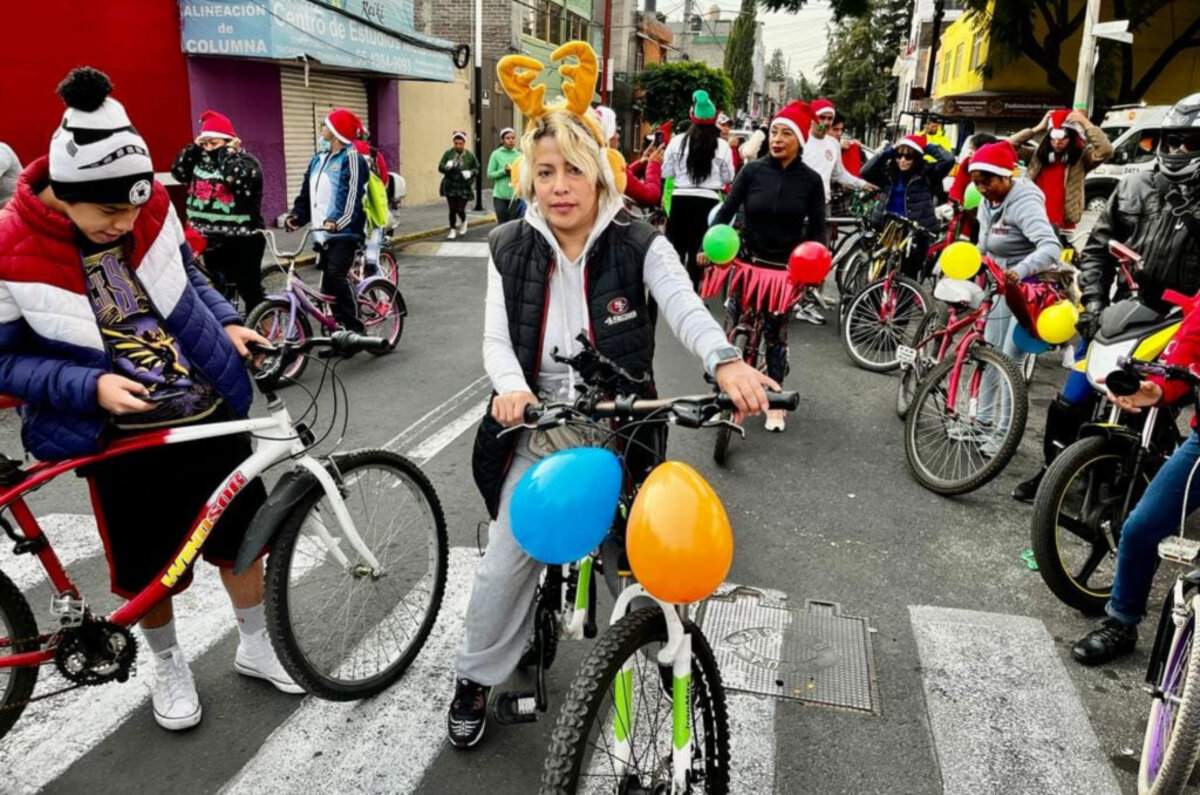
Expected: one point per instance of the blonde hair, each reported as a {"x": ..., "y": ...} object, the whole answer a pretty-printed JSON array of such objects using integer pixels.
[{"x": 579, "y": 146}]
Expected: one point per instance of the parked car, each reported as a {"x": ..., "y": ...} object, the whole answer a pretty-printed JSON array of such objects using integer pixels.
[{"x": 1134, "y": 134}]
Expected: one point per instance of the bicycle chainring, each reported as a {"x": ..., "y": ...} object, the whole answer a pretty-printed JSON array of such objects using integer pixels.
[{"x": 95, "y": 652}]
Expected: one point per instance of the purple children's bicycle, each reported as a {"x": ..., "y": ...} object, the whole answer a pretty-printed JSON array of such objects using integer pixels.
[{"x": 288, "y": 316}]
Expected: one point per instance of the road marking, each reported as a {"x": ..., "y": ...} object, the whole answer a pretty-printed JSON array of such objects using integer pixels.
[
  {"x": 751, "y": 742},
  {"x": 74, "y": 537},
  {"x": 383, "y": 744},
  {"x": 460, "y": 250},
  {"x": 1004, "y": 713},
  {"x": 448, "y": 433},
  {"x": 438, "y": 413}
]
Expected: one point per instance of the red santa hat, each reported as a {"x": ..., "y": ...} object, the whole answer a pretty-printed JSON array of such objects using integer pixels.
[
  {"x": 216, "y": 125},
  {"x": 344, "y": 125},
  {"x": 798, "y": 116},
  {"x": 914, "y": 142},
  {"x": 1059, "y": 124},
  {"x": 823, "y": 107},
  {"x": 997, "y": 158}
]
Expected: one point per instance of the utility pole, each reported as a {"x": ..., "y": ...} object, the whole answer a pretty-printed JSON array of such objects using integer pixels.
[
  {"x": 607, "y": 85},
  {"x": 479, "y": 104},
  {"x": 685, "y": 44},
  {"x": 1094, "y": 29}
]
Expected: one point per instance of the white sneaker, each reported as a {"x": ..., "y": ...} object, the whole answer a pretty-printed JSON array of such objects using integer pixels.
[
  {"x": 462, "y": 227},
  {"x": 256, "y": 657},
  {"x": 776, "y": 421},
  {"x": 453, "y": 234},
  {"x": 176, "y": 704}
]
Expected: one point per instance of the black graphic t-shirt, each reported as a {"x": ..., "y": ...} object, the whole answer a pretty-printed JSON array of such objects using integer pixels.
[{"x": 139, "y": 345}]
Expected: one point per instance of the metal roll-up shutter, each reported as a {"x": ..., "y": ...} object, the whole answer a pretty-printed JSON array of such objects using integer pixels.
[{"x": 304, "y": 110}]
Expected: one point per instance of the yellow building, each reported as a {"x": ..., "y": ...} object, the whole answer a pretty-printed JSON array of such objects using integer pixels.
[{"x": 1018, "y": 91}]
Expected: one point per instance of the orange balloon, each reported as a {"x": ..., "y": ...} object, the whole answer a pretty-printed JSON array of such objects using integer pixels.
[{"x": 678, "y": 538}]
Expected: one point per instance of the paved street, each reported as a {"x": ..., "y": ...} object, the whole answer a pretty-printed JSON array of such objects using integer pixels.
[{"x": 973, "y": 688}]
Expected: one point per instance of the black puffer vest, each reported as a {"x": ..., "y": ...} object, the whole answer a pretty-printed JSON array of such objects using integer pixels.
[{"x": 622, "y": 319}]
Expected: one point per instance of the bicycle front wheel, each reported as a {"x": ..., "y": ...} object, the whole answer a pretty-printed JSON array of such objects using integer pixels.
[
  {"x": 381, "y": 310},
  {"x": 349, "y": 633},
  {"x": 957, "y": 442},
  {"x": 880, "y": 317},
  {"x": 1172, "y": 742},
  {"x": 606, "y": 703},
  {"x": 273, "y": 319},
  {"x": 925, "y": 360}
]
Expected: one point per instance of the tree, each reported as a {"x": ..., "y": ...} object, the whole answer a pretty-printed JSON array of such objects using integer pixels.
[
  {"x": 777, "y": 67},
  {"x": 857, "y": 73},
  {"x": 668, "y": 89},
  {"x": 841, "y": 8},
  {"x": 1040, "y": 29},
  {"x": 739, "y": 53}
]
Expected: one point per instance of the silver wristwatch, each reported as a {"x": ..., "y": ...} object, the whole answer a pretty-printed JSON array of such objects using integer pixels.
[{"x": 720, "y": 356}]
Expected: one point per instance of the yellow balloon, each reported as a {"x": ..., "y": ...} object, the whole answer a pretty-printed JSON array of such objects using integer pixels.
[
  {"x": 678, "y": 538},
  {"x": 960, "y": 260},
  {"x": 1056, "y": 323}
]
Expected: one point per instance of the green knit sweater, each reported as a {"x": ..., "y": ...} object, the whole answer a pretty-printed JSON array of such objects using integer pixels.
[{"x": 502, "y": 187}]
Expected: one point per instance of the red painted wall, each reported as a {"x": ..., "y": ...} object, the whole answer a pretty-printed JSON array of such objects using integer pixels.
[{"x": 136, "y": 42}]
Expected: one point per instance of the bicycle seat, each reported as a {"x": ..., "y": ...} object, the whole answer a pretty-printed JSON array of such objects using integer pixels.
[
  {"x": 959, "y": 291},
  {"x": 1127, "y": 319}
]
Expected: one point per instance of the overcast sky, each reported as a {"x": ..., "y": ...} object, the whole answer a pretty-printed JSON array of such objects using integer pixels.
[{"x": 801, "y": 36}]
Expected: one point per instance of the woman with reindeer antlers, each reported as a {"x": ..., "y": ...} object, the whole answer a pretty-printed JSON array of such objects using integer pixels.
[{"x": 576, "y": 262}]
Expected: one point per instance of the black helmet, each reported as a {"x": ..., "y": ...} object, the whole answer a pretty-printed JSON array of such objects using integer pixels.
[{"x": 1179, "y": 146}]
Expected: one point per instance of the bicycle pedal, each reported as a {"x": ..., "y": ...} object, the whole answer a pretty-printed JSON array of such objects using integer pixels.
[
  {"x": 510, "y": 708},
  {"x": 1178, "y": 549}
]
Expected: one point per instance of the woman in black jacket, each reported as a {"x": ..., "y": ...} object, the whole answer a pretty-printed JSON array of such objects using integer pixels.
[
  {"x": 910, "y": 185},
  {"x": 784, "y": 205}
]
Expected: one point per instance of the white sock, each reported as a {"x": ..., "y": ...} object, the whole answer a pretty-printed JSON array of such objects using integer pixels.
[
  {"x": 251, "y": 620},
  {"x": 161, "y": 639}
]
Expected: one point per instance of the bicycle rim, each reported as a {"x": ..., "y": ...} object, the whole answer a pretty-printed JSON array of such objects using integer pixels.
[
  {"x": 602, "y": 700},
  {"x": 379, "y": 311},
  {"x": 271, "y": 319},
  {"x": 880, "y": 317},
  {"x": 348, "y": 634},
  {"x": 18, "y": 633},
  {"x": 1172, "y": 740},
  {"x": 389, "y": 269},
  {"x": 926, "y": 360},
  {"x": 956, "y": 444}
]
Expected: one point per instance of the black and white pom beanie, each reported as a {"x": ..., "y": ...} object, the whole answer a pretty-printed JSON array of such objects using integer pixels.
[{"x": 95, "y": 154}]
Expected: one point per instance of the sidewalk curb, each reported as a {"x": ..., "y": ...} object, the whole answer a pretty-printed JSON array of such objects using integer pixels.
[{"x": 410, "y": 237}]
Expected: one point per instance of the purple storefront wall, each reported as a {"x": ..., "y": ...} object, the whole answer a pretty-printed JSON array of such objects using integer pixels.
[
  {"x": 383, "y": 97},
  {"x": 248, "y": 93}
]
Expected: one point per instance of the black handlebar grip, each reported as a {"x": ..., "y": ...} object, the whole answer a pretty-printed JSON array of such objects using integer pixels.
[
  {"x": 788, "y": 401},
  {"x": 533, "y": 413},
  {"x": 349, "y": 342}
]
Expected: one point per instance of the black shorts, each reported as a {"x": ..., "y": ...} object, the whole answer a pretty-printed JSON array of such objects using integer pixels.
[{"x": 145, "y": 503}]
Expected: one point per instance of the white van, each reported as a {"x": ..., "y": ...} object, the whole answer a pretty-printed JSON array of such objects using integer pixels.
[{"x": 1134, "y": 132}]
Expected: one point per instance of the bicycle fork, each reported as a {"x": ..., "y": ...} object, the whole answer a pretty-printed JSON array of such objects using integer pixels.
[{"x": 677, "y": 654}]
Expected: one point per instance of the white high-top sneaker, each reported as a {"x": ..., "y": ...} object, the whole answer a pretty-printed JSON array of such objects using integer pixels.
[
  {"x": 176, "y": 704},
  {"x": 256, "y": 657}
]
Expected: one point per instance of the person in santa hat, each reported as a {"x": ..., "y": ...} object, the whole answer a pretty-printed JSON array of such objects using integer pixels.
[
  {"x": 823, "y": 152},
  {"x": 910, "y": 185},
  {"x": 1071, "y": 147},
  {"x": 331, "y": 198},
  {"x": 224, "y": 203},
  {"x": 784, "y": 205}
]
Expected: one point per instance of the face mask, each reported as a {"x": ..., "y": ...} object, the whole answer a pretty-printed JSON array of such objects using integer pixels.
[{"x": 323, "y": 145}]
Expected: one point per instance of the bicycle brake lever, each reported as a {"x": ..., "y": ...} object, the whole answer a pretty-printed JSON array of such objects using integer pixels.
[{"x": 719, "y": 422}]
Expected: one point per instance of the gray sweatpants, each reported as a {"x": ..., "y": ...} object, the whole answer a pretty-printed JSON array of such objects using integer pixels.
[{"x": 500, "y": 614}]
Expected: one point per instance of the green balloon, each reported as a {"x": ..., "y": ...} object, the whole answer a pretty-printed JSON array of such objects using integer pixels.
[
  {"x": 971, "y": 197},
  {"x": 721, "y": 244}
]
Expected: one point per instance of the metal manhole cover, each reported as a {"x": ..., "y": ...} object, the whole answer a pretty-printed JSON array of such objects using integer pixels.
[{"x": 812, "y": 653}]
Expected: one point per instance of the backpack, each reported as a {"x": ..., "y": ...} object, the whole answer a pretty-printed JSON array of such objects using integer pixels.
[{"x": 375, "y": 203}]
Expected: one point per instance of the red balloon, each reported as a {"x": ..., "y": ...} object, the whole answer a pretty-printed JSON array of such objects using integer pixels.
[{"x": 809, "y": 263}]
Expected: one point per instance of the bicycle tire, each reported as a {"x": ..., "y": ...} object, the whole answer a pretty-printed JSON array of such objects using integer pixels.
[
  {"x": 388, "y": 267},
  {"x": 910, "y": 377},
  {"x": 721, "y": 446},
  {"x": 1007, "y": 449},
  {"x": 724, "y": 435},
  {"x": 859, "y": 313},
  {"x": 854, "y": 277},
  {"x": 641, "y": 628},
  {"x": 1183, "y": 745},
  {"x": 279, "y": 597},
  {"x": 1048, "y": 508},
  {"x": 382, "y": 294},
  {"x": 19, "y": 628},
  {"x": 278, "y": 308}
]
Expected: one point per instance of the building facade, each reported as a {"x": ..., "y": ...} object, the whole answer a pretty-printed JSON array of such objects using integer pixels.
[{"x": 705, "y": 37}]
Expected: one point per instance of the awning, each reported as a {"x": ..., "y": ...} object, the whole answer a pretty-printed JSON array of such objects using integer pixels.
[{"x": 290, "y": 29}]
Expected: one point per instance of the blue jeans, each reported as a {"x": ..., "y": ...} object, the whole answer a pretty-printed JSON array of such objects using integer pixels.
[{"x": 1156, "y": 516}]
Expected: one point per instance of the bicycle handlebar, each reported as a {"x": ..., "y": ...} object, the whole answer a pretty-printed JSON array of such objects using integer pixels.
[
  {"x": 690, "y": 411},
  {"x": 345, "y": 343},
  {"x": 269, "y": 234}
]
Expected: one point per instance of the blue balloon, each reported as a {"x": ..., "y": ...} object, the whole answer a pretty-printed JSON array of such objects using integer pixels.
[
  {"x": 563, "y": 507},
  {"x": 1026, "y": 342},
  {"x": 712, "y": 214}
]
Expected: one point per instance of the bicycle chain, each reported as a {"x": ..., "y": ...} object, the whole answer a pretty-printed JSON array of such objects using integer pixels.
[{"x": 54, "y": 671}]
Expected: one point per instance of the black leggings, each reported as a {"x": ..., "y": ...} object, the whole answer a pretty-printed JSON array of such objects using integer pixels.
[
  {"x": 685, "y": 229},
  {"x": 334, "y": 259},
  {"x": 458, "y": 210},
  {"x": 775, "y": 334},
  {"x": 238, "y": 259}
]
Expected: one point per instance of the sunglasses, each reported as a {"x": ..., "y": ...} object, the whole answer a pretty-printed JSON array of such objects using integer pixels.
[
  {"x": 902, "y": 155},
  {"x": 1188, "y": 142}
]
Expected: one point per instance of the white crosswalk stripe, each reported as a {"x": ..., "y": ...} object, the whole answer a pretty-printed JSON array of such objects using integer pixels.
[{"x": 74, "y": 537}]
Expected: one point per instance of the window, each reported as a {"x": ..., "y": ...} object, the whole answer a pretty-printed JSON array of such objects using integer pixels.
[
  {"x": 555, "y": 34},
  {"x": 976, "y": 47},
  {"x": 529, "y": 18},
  {"x": 958, "y": 56},
  {"x": 577, "y": 27}
]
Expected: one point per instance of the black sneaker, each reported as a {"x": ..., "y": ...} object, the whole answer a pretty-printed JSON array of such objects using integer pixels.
[
  {"x": 1026, "y": 490},
  {"x": 467, "y": 717},
  {"x": 1108, "y": 641}
]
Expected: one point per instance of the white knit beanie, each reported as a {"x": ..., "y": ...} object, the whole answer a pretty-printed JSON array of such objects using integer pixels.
[{"x": 96, "y": 155}]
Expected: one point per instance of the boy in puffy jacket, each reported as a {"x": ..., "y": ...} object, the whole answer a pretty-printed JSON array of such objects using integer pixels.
[{"x": 106, "y": 329}]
